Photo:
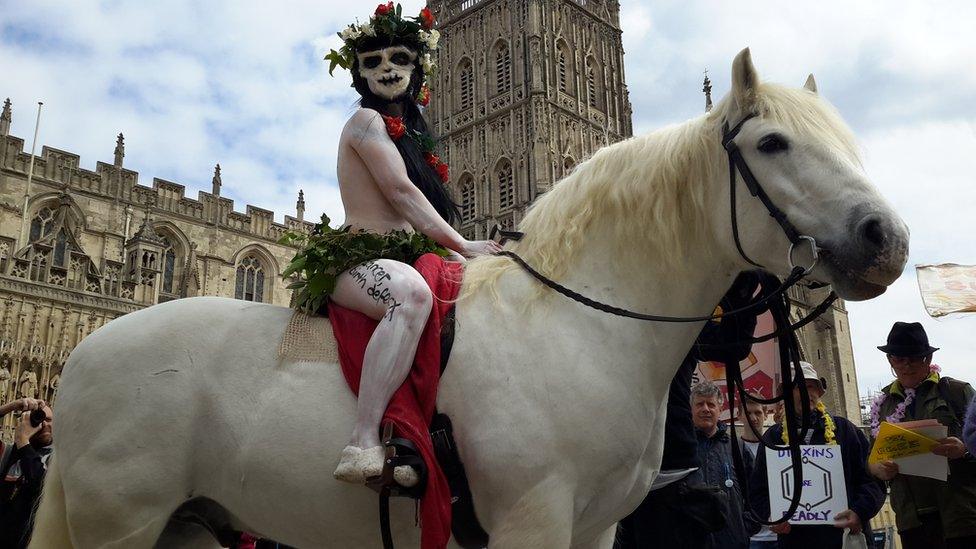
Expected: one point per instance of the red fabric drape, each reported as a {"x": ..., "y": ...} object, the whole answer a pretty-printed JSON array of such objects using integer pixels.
[{"x": 412, "y": 406}]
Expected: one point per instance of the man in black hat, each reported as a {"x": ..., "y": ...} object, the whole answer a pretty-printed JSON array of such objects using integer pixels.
[{"x": 929, "y": 513}]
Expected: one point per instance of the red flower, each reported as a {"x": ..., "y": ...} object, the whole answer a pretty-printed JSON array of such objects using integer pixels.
[
  {"x": 394, "y": 126},
  {"x": 426, "y": 18},
  {"x": 444, "y": 171},
  {"x": 441, "y": 168},
  {"x": 384, "y": 9},
  {"x": 423, "y": 98}
]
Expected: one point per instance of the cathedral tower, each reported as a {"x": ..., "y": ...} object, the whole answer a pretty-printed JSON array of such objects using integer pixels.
[{"x": 525, "y": 90}]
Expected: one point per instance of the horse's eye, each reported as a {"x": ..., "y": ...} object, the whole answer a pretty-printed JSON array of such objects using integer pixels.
[
  {"x": 773, "y": 143},
  {"x": 372, "y": 61}
]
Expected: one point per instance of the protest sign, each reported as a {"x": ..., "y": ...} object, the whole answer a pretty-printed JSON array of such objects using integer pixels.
[
  {"x": 824, "y": 492},
  {"x": 760, "y": 370}
]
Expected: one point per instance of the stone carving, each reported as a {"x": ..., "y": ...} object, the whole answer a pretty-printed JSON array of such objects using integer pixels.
[
  {"x": 27, "y": 388},
  {"x": 4, "y": 383}
]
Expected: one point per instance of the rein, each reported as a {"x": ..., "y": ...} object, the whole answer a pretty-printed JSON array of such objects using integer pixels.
[{"x": 778, "y": 305}]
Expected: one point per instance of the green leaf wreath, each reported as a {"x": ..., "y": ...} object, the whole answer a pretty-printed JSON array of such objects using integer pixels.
[{"x": 326, "y": 253}]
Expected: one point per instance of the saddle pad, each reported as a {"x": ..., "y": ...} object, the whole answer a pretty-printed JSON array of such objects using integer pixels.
[
  {"x": 308, "y": 339},
  {"x": 412, "y": 406}
]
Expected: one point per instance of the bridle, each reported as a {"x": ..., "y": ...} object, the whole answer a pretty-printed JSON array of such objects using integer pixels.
[
  {"x": 777, "y": 302},
  {"x": 738, "y": 162}
]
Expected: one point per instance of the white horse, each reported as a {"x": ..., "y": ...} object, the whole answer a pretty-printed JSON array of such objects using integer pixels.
[{"x": 558, "y": 408}]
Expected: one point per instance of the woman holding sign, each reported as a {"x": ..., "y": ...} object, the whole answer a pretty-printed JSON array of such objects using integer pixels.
[
  {"x": 837, "y": 449},
  {"x": 929, "y": 512}
]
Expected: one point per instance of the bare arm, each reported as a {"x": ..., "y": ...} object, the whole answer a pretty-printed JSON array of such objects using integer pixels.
[{"x": 370, "y": 140}]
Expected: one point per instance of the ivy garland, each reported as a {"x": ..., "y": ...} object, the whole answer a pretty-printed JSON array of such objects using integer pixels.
[{"x": 326, "y": 253}]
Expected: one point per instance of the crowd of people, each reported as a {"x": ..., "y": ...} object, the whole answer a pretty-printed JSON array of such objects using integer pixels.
[
  {"x": 700, "y": 498},
  {"x": 929, "y": 513}
]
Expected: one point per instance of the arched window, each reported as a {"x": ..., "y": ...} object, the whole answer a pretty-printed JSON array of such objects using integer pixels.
[
  {"x": 250, "y": 279},
  {"x": 503, "y": 68},
  {"x": 506, "y": 185},
  {"x": 467, "y": 199},
  {"x": 169, "y": 267},
  {"x": 592, "y": 85},
  {"x": 61, "y": 248},
  {"x": 42, "y": 224},
  {"x": 564, "y": 68},
  {"x": 465, "y": 85}
]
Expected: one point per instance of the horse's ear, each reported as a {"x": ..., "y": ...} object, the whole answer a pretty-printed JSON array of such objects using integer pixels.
[
  {"x": 810, "y": 84},
  {"x": 745, "y": 81}
]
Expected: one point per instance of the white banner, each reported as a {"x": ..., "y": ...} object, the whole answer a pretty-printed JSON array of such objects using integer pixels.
[
  {"x": 947, "y": 288},
  {"x": 824, "y": 490}
]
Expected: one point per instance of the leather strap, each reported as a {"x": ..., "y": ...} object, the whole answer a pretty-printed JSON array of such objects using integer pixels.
[{"x": 737, "y": 162}]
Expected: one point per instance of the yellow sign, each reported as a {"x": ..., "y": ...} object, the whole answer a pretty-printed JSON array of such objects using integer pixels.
[{"x": 894, "y": 442}]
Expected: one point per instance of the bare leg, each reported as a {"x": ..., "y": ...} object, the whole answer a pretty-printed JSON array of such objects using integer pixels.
[{"x": 398, "y": 297}]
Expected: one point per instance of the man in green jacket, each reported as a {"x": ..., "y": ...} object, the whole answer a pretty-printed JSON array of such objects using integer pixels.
[{"x": 929, "y": 513}]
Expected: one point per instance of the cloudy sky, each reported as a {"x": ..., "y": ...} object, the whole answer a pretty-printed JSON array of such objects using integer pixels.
[{"x": 242, "y": 83}]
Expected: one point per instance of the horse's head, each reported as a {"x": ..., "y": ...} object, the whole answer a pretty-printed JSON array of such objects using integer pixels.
[{"x": 804, "y": 157}]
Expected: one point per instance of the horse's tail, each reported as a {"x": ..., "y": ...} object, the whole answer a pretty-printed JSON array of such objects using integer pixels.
[{"x": 51, "y": 517}]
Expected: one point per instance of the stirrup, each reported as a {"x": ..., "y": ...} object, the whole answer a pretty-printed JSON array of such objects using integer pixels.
[{"x": 399, "y": 452}]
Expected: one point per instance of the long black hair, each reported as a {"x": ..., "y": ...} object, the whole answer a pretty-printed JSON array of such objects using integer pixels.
[{"x": 419, "y": 171}]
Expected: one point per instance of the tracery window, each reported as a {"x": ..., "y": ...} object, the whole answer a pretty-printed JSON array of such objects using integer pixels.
[
  {"x": 5, "y": 250},
  {"x": 60, "y": 248},
  {"x": 42, "y": 224},
  {"x": 506, "y": 185},
  {"x": 591, "y": 88},
  {"x": 467, "y": 199},
  {"x": 465, "y": 86},
  {"x": 169, "y": 266},
  {"x": 503, "y": 68},
  {"x": 564, "y": 73},
  {"x": 249, "y": 285}
]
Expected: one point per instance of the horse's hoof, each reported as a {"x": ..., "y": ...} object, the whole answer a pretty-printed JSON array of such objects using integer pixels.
[
  {"x": 371, "y": 462},
  {"x": 350, "y": 468},
  {"x": 405, "y": 476}
]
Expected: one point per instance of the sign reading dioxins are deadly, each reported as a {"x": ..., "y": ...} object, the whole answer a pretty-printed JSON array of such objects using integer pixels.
[{"x": 824, "y": 491}]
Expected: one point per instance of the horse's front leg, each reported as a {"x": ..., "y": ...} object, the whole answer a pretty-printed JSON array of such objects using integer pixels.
[{"x": 541, "y": 517}]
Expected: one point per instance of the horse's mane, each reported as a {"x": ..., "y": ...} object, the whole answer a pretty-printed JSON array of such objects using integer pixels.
[{"x": 657, "y": 182}]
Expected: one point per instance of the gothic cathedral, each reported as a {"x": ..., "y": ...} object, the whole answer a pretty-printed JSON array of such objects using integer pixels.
[{"x": 525, "y": 90}]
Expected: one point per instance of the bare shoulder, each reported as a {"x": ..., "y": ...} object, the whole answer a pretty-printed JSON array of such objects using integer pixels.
[{"x": 364, "y": 124}]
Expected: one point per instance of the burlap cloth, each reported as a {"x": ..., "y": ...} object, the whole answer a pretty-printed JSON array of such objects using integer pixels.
[{"x": 308, "y": 339}]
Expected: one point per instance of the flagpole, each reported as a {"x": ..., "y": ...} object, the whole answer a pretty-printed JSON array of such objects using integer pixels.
[{"x": 30, "y": 176}]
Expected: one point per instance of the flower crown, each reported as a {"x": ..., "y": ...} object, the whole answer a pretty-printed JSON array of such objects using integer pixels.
[{"x": 388, "y": 21}]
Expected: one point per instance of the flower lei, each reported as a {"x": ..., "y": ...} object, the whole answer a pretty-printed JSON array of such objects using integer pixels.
[
  {"x": 388, "y": 20},
  {"x": 830, "y": 427},
  {"x": 397, "y": 129},
  {"x": 900, "y": 408}
]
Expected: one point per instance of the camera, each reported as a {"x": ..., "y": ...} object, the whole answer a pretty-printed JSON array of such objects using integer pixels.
[{"x": 37, "y": 417}]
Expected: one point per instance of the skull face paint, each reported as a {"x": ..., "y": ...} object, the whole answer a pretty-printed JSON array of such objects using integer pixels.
[{"x": 388, "y": 71}]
